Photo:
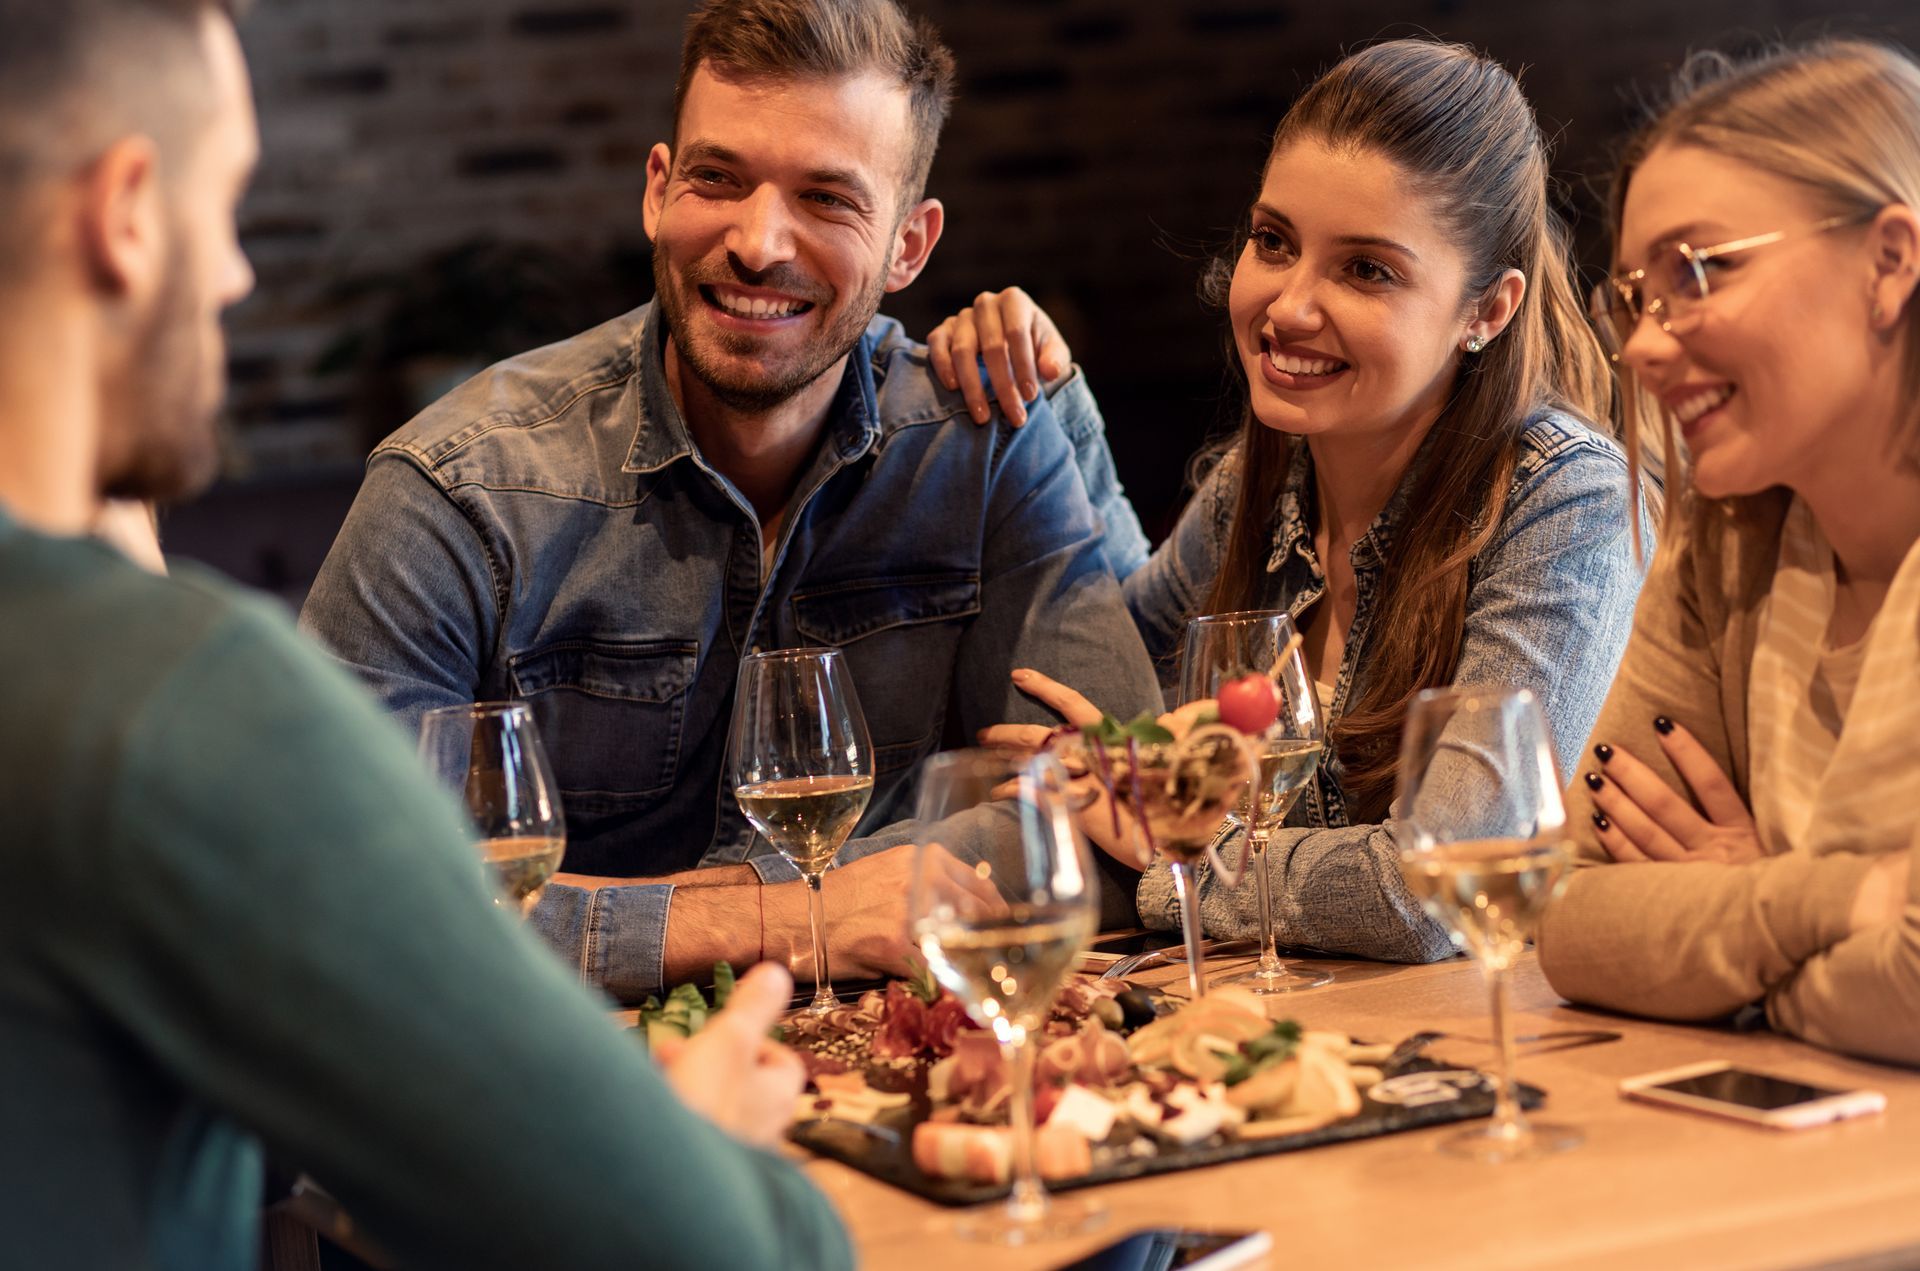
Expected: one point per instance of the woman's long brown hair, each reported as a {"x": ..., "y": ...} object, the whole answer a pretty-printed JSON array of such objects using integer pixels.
[{"x": 1461, "y": 131}]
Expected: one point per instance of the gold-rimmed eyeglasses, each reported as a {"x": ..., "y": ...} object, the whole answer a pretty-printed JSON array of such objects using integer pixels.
[{"x": 1678, "y": 278}]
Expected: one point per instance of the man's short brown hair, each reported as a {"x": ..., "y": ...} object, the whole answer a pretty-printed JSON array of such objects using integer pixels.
[
  {"x": 75, "y": 75},
  {"x": 792, "y": 38}
]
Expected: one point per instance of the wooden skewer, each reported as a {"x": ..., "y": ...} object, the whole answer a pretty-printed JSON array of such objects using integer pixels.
[{"x": 1293, "y": 642}]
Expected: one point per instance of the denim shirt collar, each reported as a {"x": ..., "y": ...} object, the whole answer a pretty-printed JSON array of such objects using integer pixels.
[
  {"x": 662, "y": 436},
  {"x": 1293, "y": 535}
]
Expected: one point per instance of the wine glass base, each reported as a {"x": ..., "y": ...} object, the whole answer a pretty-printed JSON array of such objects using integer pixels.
[
  {"x": 1495, "y": 1143},
  {"x": 1058, "y": 1219},
  {"x": 1290, "y": 977},
  {"x": 823, "y": 1000}
]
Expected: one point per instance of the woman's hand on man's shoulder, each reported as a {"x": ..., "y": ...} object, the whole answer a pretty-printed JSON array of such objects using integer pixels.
[{"x": 1013, "y": 338}]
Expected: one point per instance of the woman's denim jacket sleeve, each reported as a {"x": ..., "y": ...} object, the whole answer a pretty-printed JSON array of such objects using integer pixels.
[{"x": 1549, "y": 604}]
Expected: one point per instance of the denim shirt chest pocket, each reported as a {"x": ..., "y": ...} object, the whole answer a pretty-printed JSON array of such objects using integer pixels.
[
  {"x": 900, "y": 636},
  {"x": 611, "y": 715}
]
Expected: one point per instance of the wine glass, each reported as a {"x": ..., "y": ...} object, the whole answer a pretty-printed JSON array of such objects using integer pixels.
[
  {"x": 1170, "y": 795},
  {"x": 1223, "y": 648},
  {"x": 1486, "y": 866},
  {"x": 802, "y": 769},
  {"x": 1003, "y": 936},
  {"x": 490, "y": 754}
]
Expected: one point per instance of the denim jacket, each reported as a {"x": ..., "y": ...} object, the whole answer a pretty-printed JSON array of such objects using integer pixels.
[
  {"x": 549, "y": 532},
  {"x": 1549, "y": 603}
]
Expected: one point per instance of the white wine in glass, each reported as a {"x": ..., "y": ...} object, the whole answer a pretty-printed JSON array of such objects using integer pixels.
[
  {"x": 806, "y": 818},
  {"x": 490, "y": 754},
  {"x": 1220, "y": 650},
  {"x": 802, "y": 769},
  {"x": 1487, "y": 867},
  {"x": 1003, "y": 936}
]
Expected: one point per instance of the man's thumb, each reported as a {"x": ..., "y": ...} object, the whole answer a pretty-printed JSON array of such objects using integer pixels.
[{"x": 760, "y": 998}]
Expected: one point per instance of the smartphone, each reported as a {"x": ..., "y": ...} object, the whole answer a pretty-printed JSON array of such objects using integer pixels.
[
  {"x": 1161, "y": 1248},
  {"x": 1780, "y": 1103}
]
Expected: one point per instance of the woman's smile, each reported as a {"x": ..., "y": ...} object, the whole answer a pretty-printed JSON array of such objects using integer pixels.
[
  {"x": 1346, "y": 267},
  {"x": 1298, "y": 369}
]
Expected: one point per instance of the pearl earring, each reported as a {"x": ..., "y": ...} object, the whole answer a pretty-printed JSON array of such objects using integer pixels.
[{"x": 1475, "y": 344}]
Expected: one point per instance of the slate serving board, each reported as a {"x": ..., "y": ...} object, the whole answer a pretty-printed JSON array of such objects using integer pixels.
[{"x": 884, "y": 1149}]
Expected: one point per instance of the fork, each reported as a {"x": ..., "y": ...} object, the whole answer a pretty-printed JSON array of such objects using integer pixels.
[{"x": 1564, "y": 1039}]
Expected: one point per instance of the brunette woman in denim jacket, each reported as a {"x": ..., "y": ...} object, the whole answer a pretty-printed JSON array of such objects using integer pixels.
[{"x": 1419, "y": 480}]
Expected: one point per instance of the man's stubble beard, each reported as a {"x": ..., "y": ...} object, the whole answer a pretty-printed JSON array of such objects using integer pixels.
[
  {"x": 749, "y": 393},
  {"x": 159, "y": 433}
]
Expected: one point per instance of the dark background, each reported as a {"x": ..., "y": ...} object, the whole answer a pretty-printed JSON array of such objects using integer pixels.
[{"x": 446, "y": 182}]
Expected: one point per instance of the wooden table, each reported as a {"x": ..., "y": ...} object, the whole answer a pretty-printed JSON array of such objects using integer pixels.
[{"x": 1650, "y": 1188}]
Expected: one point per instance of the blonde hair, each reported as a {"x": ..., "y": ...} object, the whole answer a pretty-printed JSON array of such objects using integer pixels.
[{"x": 1840, "y": 118}]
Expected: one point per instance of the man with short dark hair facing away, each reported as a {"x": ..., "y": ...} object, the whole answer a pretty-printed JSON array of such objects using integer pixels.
[{"x": 241, "y": 915}]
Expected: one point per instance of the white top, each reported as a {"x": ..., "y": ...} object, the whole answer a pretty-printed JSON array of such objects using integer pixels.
[{"x": 1833, "y": 731}]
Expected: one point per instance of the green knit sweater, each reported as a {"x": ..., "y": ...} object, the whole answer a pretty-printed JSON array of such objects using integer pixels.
[{"x": 239, "y": 916}]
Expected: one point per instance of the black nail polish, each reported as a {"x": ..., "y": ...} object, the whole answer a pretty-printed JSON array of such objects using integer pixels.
[
  {"x": 1603, "y": 752},
  {"x": 1600, "y": 820},
  {"x": 1595, "y": 781},
  {"x": 1662, "y": 725}
]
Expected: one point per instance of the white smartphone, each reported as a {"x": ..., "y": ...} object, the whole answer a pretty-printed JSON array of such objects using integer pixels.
[{"x": 1780, "y": 1103}]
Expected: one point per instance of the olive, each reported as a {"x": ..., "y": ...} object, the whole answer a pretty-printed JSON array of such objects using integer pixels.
[
  {"x": 1108, "y": 1012},
  {"x": 1136, "y": 1008}
]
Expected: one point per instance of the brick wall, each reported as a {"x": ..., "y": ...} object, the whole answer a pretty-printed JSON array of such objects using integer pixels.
[
  {"x": 1097, "y": 149},
  {"x": 397, "y": 130}
]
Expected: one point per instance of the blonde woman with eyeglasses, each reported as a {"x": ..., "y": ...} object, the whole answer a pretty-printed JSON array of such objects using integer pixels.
[{"x": 1753, "y": 783}]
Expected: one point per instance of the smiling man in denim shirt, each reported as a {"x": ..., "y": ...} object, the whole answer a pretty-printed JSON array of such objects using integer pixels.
[{"x": 754, "y": 460}]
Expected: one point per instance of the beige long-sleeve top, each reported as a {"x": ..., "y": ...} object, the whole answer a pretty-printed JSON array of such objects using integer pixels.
[{"x": 1697, "y": 941}]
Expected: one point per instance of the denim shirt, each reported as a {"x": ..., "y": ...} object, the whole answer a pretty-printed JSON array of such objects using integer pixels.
[
  {"x": 1549, "y": 604},
  {"x": 549, "y": 532}
]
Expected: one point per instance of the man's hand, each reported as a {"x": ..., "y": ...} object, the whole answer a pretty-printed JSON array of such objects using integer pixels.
[
  {"x": 1013, "y": 338},
  {"x": 866, "y": 911},
  {"x": 1642, "y": 818},
  {"x": 731, "y": 1072}
]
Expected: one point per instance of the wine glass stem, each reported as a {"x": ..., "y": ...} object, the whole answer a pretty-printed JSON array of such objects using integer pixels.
[
  {"x": 1270, "y": 963},
  {"x": 1507, "y": 1121},
  {"x": 1185, "y": 886},
  {"x": 1028, "y": 1201},
  {"x": 817, "y": 915}
]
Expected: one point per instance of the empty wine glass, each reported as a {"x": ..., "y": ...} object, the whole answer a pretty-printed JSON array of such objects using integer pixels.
[
  {"x": 1002, "y": 936},
  {"x": 802, "y": 769},
  {"x": 1486, "y": 866},
  {"x": 1220, "y": 650},
  {"x": 490, "y": 754}
]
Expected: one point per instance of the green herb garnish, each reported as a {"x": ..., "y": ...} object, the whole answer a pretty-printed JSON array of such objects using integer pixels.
[
  {"x": 921, "y": 983},
  {"x": 1143, "y": 728},
  {"x": 1274, "y": 1046}
]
